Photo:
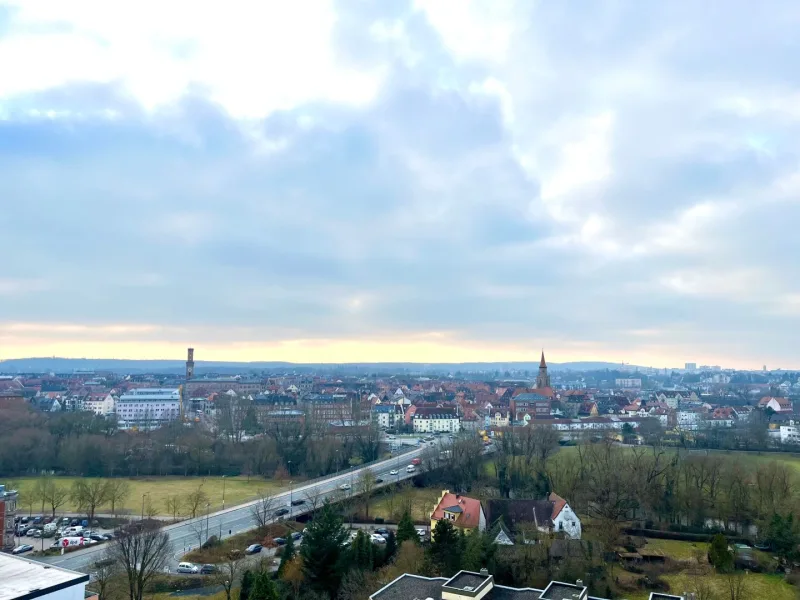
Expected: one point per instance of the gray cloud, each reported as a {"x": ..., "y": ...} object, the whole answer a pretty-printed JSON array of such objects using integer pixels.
[{"x": 442, "y": 205}]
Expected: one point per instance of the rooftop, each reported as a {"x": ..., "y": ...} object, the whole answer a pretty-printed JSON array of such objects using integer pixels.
[
  {"x": 557, "y": 590},
  {"x": 25, "y": 579}
]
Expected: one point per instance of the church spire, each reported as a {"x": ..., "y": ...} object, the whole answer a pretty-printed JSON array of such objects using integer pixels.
[
  {"x": 543, "y": 379},
  {"x": 542, "y": 364}
]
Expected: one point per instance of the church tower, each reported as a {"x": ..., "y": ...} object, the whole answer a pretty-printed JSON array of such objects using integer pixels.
[{"x": 543, "y": 379}]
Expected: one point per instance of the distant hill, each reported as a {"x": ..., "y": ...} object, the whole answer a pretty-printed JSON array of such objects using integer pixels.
[{"x": 70, "y": 365}]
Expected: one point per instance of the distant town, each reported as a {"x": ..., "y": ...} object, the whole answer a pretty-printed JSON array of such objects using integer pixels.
[{"x": 708, "y": 404}]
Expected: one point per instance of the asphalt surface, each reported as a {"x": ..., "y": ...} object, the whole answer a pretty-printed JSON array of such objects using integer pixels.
[{"x": 185, "y": 535}]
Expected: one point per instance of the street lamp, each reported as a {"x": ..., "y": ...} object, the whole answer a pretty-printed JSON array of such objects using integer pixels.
[
  {"x": 223, "y": 492},
  {"x": 143, "y": 495},
  {"x": 208, "y": 506}
]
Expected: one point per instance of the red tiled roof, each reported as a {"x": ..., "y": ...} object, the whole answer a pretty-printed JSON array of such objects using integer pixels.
[
  {"x": 558, "y": 504},
  {"x": 471, "y": 510}
]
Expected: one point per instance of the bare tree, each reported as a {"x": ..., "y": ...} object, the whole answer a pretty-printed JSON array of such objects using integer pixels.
[
  {"x": 365, "y": 486},
  {"x": 105, "y": 576},
  {"x": 141, "y": 555},
  {"x": 89, "y": 495},
  {"x": 55, "y": 495},
  {"x": 195, "y": 499},
  {"x": 315, "y": 498},
  {"x": 198, "y": 527},
  {"x": 118, "y": 491},
  {"x": 737, "y": 585},
  {"x": 173, "y": 504},
  {"x": 262, "y": 510},
  {"x": 228, "y": 572}
]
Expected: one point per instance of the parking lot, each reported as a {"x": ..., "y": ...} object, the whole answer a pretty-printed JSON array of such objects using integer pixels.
[{"x": 45, "y": 541}]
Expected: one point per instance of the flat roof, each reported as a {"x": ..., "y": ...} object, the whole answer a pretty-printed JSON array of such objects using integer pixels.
[{"x": 24, "y": 579}]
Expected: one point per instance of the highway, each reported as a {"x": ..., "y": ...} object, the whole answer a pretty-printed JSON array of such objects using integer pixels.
[{"x": 184, "y": 535}]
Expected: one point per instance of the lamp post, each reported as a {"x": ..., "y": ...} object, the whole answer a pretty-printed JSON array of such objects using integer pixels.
[
  {"x": 223, "y": 492},
  {"x": 208, "y": 506},
  {"x": 143, "y": 495}
]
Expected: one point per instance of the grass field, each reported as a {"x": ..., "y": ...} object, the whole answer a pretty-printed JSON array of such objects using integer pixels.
[
  {"x": 237, "y": 490},
  {"x": 677, "y": 549},
  {"x": 420, "y": 500},
  {"x": 758, "y": 586}
]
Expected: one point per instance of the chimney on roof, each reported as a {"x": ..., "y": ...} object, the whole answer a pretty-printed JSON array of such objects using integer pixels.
[
  {"x": 579, "y": 582},
  {"x": 484, "y": 571}
]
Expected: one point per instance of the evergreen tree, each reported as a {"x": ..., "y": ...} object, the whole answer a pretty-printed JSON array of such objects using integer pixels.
[
  {"x": 247, "y": 585},
  {"x": 361, "y": 552},
  {"x": 720, "y": 555},
  {"x": 405, "y": 530},
  {"x": 479, "y": 552},
  {"x": 288, "y": 553},
  {"x": 264, "y": 587},
  {"x": 323, "y": 551},
  {"x": 446, "y": 548},
  {"x": 391, "y": 547}
]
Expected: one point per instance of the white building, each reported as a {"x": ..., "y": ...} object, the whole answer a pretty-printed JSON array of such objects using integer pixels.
[
  {"x": 430, "y": 420},
  {"x": 628, "y": 384},
  {"x": 148, "y": 407},
  {"x": 24, "y": 579},
  {"x": 688, "y": 420},
  {"x": 100, "y": 404},
  {"x": 790, "y": 435},
  {"x": 388, "y": 416}
]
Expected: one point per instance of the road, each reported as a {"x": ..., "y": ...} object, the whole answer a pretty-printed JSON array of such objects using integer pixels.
[{"x": 187, "y": 534}]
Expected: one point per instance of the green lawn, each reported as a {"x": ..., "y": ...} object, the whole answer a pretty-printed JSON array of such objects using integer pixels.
[
  {"x": 420, "y": 500},
  {"x": 758, "y": 586},
  {"x": 237, "y": 490},
  {"x": 677, "y": 549}
]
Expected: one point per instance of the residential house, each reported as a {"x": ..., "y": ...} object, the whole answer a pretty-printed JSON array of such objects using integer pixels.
[
  {"x": 588, "y": 409},
  {"x": 102, "y": 403},
  {"x": 673, "y": 398},
  {"x": 529, "y": 406},
  {"x": 387, "y": 416},
  {"x": 550, "y": 515},
  {"x": 775, "y": 403},
  {"x": 464, "y": 512},
  {"x": 433, "y": 419},
  {"x": 500, "y": 418}
]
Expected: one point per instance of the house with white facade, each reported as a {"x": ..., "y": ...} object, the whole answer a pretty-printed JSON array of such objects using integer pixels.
[
  {"x": 100, "y": 404},
  {"x": 775, "y": 403},
  {"x": 388, "y": 416},
  {"x": 550, "y": 515},
  {"x": 431, "y": 420}
]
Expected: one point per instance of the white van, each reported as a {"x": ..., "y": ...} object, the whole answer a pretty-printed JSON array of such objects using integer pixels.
[{"x": 411, "y": 469}]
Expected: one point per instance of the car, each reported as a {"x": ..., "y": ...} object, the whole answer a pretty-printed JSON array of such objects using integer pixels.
[
  {"x": 74, "y": 523},
  {"x": 31, "y": 531},
  {"x": 378, "y": 480},
  {"x": 21, "y": 549},
  {"x": 37, "y": 520},
  {"x": 382, "y": 531},
  {"x": 377, "y": 539},
  {"x": 279, "y": 541},
  {"x": 185, "y": 567},
  {"x": 37, "y": 533},
  {"x": 345, "y": 486},
  {"x": 393, "y": 472},
  {"x": 104, "y": 562},
  {"x": 208, "y": 570},
  {"x": 298, "y": 502},
  {"x": 108, "y": 536},
  {"x": 96, "y": 537},
  {"x": 280, "y": 512},
  {"x": 65, "y": 521},
  {"x": 253, "y": 549},
  {"x": 296, "y": 535},
  {"x": 421, "y": 533}
]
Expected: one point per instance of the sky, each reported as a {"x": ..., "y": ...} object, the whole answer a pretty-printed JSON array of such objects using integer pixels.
[{"x": 401, "y": 180}]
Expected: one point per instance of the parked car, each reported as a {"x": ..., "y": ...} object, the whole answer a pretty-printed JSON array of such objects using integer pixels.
[
  {"x": 279, "y": 541},
  {"x": 37, "y": 520},
  {"x": 280, "y": 512},
  {"x": 108, "y": 536},
  {"x": 344, "y": 487},
  {"x": 74, "y": 523},
  {"x": 65, "y": 521},
  {"x": 97, "y": 537},
  {"x": 104, "y": 562},
  {"x": 186, "y": 567},
  {"x": 382, "y": 531},
  {"x": 31, "y": 531},
  {"x": 377, "y": 539},
  {"x": 421, "y": 533},
  {"x": 24, "y": 519},
  {"x": 253, "y": 549},
  {"x": 21, "y": 549},
  {"x": 37, "y": 533},
  {"x": 208, "y": 570},
  {"x": 296, "y": 535},
  {"x": 298, "y": 502}
]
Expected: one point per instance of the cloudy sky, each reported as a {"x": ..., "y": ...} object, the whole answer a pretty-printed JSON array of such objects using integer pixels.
[{"x": 427, "y": 180}]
